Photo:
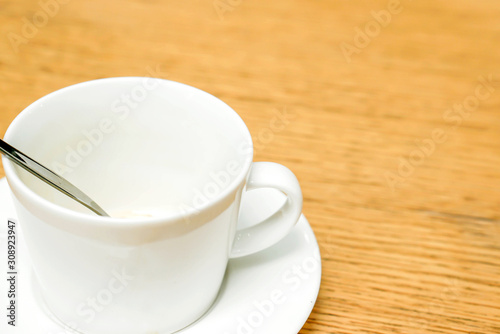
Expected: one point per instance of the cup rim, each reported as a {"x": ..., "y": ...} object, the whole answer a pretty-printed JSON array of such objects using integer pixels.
[{"x": 15, "y": 182}]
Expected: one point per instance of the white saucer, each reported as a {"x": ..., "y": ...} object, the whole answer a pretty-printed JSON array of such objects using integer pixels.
[{"x": 273, "y": 291}]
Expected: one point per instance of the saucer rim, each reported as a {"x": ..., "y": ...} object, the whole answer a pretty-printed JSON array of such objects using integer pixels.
[{"x": 314, "y": 284}]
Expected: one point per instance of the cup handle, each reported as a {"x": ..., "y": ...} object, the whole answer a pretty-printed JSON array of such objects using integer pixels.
[{"x": 267, "y": 233}]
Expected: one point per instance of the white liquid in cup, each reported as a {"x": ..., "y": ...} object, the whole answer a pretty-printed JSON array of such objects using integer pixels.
[{"x": 139, "y": 213}]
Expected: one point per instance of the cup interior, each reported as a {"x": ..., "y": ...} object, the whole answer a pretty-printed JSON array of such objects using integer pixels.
[{"x": 137, "y": 146}]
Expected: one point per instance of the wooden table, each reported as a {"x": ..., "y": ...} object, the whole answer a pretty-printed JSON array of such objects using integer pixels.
[{"x": 393, "y": 129}]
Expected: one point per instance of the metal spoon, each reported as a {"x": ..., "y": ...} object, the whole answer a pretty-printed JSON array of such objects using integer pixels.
[{"x": 51, "y": 178}]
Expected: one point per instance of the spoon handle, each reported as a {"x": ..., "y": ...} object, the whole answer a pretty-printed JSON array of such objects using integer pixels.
[{"x": 50, "y": 177}]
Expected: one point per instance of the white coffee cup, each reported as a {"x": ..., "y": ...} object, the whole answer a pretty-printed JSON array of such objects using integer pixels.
[{"x": 147, "y": 147}]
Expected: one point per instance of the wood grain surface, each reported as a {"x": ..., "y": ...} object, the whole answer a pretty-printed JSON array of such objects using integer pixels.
[{"x": 392, "y": 113}]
